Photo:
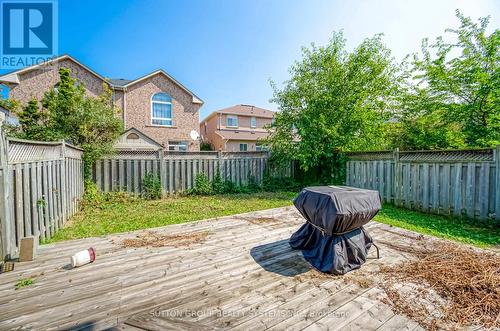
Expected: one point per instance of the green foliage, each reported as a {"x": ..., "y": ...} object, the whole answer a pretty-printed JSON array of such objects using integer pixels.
[
  {"x": 119, "y": 212},
  {"x": 92, "y": 194},
  {"x": 67, "y": 113},
  {"x": 452, "y": 96},
  {"x": 217, "y": 183},
  {"x": 202, "y": 185},
  {"x": 151, "y": 187},
  {"x": 482, "y": 234},
  {"x": 206, "y": 146},
  {"x": 334, "y": 101},
  {"x": 24, "y": 283}
]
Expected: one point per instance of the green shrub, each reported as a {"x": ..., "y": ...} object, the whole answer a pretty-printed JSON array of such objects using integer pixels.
[
  {"x": 274, "y": 184},
  {"x": 217, "y": 183},
  {"x": 252, "y": 185},
  {"x": 151, "y": 187},
  {"x": 202, "y": 185},
  {"x": 206, "y": 146},
  {"x": 92, "y": 194}
]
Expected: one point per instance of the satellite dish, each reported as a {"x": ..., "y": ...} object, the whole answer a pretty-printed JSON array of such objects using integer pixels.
[{"x": 194, "y": 135}]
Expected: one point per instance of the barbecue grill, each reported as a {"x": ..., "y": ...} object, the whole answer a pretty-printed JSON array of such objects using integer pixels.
[{"x": 333, "y": 239}]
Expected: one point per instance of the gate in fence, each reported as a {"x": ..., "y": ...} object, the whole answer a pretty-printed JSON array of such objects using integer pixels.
[
  {"x": 458, "y": 182},
  {"x": 41, "y": 184}
]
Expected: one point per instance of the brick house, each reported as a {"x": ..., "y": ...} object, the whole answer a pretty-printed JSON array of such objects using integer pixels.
[
  {"x": 156, "y": 105},
  {"x": 237, "y": 128}
]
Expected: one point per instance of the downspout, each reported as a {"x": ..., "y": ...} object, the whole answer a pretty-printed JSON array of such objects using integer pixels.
[{"x": 124, "y": 107}]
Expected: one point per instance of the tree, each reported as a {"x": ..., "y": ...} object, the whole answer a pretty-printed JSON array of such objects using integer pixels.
[
  {"x": 453, "y": 99},
  {"x": 32, "y": 121},
  {"x": 67, "y": 113},
  {"x": 335, "y": 101}
]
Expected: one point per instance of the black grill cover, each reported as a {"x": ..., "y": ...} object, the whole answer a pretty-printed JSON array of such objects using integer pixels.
[{"x": 333, "y": 239}]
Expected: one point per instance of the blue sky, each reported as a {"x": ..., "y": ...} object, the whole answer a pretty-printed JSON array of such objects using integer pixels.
[{"x": 226, "y": 51}]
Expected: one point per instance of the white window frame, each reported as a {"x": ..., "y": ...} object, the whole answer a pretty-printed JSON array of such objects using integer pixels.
[
  {"x": 235, "y": 117},
  {"x": 253, "y": 122},
  {"x": 246, "y": 148},
  {"x": 176, "y": 143},
  {"x": 171, "y": 119}
]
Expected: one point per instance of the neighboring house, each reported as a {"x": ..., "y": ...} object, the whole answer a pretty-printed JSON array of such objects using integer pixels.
[
  {"x": 237, "y": 128},
  {"x": 155, "y": 104}
]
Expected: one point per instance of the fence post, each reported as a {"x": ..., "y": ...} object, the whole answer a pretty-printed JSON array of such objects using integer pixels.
[
  {"x": 6, "y": 231},
  {"x": 162, "y": 172},
  {"x": 63, "y": 181},
  {"x": 397, "y": 178},
  {"x": 497, "y": 183}
]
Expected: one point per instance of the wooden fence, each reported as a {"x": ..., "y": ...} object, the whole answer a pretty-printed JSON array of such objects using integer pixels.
[
  {"x": 177, "y": 170},
  {"x": 459, "y": 182},
  {"x": 41, "y": 184}
]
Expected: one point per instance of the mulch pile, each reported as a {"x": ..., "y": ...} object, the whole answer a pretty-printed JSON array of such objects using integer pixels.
[
  {"x": 446, "y": 286},
  {"x": 155, "y": 239}
]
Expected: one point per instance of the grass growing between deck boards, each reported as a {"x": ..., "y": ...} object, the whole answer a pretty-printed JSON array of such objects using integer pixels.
[
  {"x": 478, "y": 233},
  {"x": 122, "y": 213}
]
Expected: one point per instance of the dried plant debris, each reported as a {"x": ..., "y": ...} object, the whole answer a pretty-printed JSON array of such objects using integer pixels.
[
  {"x": 263, "y": 220},
  {"x": 446, "y": 286},
  {"x": 155, "y": 239}
]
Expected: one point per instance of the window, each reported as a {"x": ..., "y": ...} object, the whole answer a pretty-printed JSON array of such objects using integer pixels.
[
  {"x": 243, "y": 147},
  {"x": 261, "y": 148},
  {"x": 253, "y": 122},
  {"x": 4, "y": 91},
  {"x": 232, "y": 121},
  {"x": 161, "y": 109},
  {"x": 181, "y": 146}
]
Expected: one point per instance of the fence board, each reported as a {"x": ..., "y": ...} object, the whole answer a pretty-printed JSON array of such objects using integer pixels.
[
  {"x": 463, "y": 182},
  {"x": 39, "y": 190}
]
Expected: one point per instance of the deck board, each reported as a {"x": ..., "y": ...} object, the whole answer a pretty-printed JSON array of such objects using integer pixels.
[{"x": 244, "y": 276}]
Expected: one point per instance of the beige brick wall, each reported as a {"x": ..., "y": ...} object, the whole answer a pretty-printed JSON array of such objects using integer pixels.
[
  {"x": 244, "y": 122},
  {"x": 34, "y": 83},
  {"x": 208, "y": 133},
  {"x": 234, "y": 145},
  {"x": 184, "y": 112},
  {"x": 137, "y": 100}
]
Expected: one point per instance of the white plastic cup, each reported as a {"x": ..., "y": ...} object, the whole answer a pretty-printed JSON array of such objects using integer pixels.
[{"x": 83, "y": 257}]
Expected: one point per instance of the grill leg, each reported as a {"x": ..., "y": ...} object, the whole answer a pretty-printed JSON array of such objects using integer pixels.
[{"x": 376, "y": 247}]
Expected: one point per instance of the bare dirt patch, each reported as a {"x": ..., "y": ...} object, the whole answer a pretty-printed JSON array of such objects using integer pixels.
[{"x": 155, "y": 239}]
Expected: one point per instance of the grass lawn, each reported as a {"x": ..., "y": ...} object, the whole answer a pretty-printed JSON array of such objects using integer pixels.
[
  {"x": 121, "y": 213},
  {"x": 482, "y": 234}
]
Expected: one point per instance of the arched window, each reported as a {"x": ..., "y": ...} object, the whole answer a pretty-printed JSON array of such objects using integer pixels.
[
  {"x": 4, "y": 91},
  {"x": 161, "y": 109},
  {"x": 133, "y": 136}
]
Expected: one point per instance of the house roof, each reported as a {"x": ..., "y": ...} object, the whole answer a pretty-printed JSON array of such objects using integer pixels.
[
  {"x": 244, "y": 110},
  {"x": 242, "y": 135},
  {"x": 120, "y": 83}
]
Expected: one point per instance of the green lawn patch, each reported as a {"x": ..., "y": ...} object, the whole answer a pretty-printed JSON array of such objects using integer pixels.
[
  {"x": 478, "y": 233},
  {"x": 122, "y": 213}
]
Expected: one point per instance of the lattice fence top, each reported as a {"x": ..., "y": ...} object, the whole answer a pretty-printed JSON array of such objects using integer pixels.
[
  {"x": 206, "y": 155},
  {"x": 175, "y": 155},
  {"x": 471, "y": 155},
  {"x": 72, "y": 152},
  {"x": 478, "y": 155},
  {"x": 366, "y": 156},
  {"x": 31, "y": 151}
]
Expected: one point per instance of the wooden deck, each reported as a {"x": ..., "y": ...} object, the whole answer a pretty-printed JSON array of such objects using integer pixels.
[{"x": 244, "y": 277}]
